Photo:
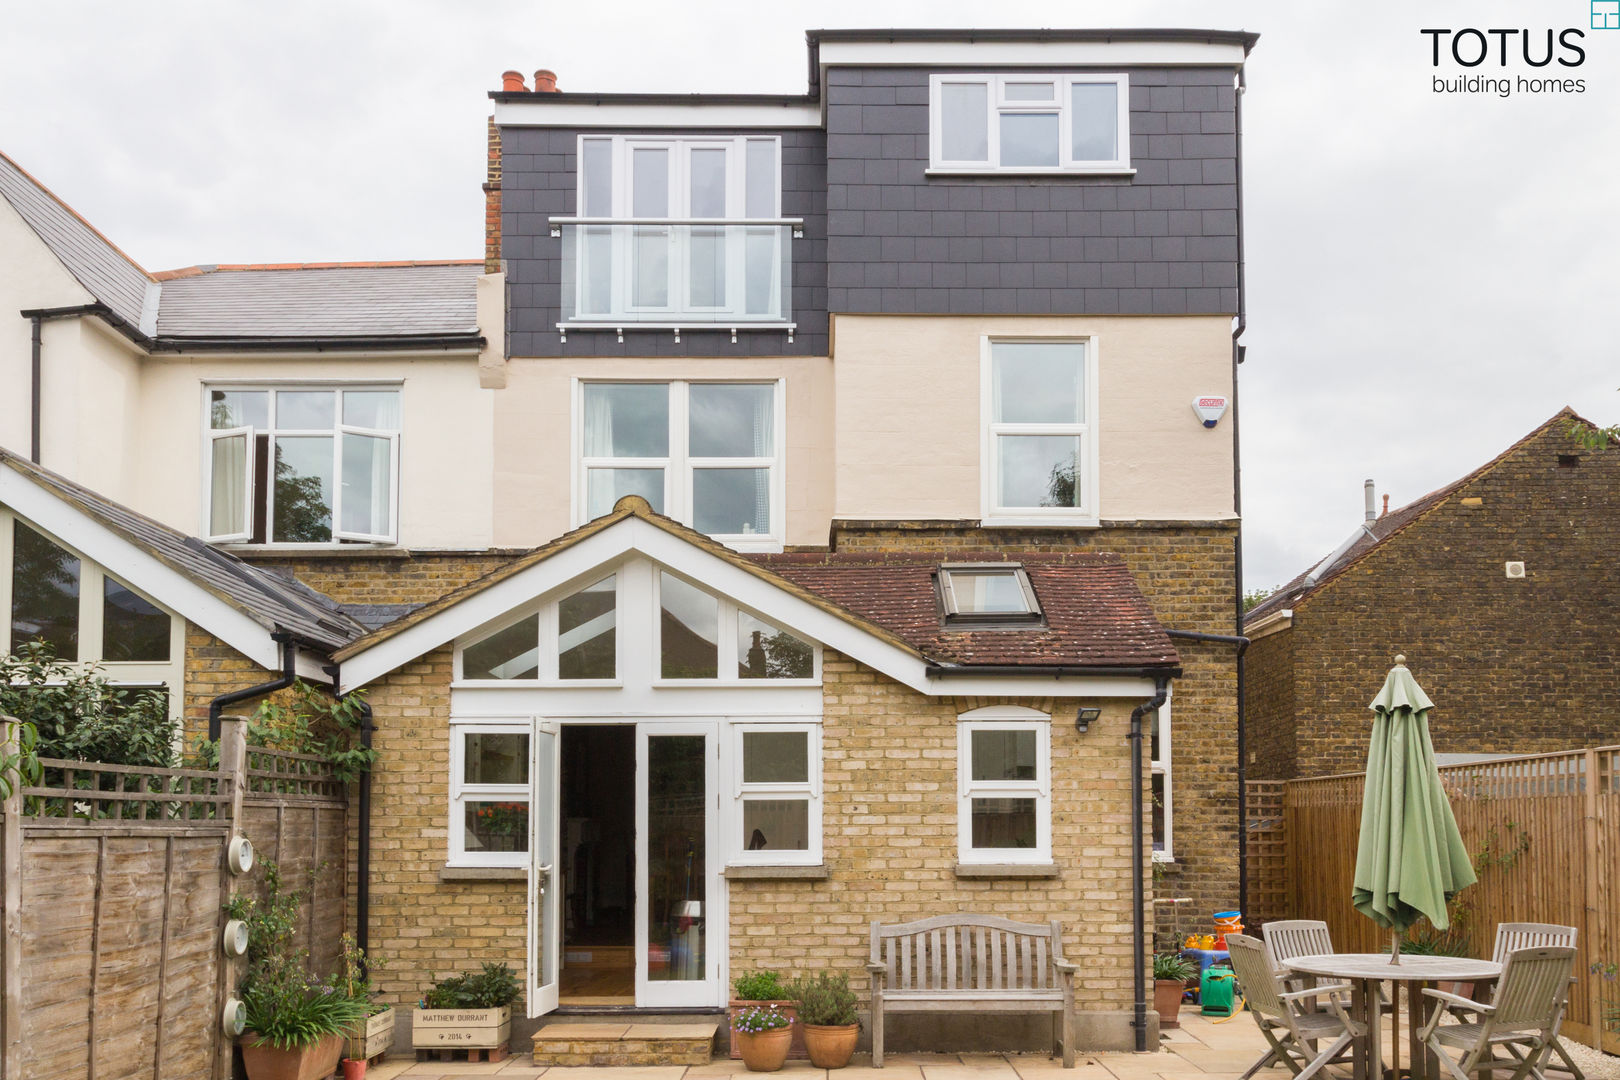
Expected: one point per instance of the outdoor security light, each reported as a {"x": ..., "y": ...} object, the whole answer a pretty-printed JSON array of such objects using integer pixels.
[{"x": 1083, "y": 719}]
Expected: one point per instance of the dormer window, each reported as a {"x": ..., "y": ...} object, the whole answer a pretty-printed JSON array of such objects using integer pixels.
[
  {"x": 980, "y": 595},
  {"x": 1030, "y": 122}
]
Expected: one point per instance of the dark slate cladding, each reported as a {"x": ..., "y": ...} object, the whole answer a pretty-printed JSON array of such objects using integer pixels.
[
  {"x": 1163, "y": 242},
  {"x": 539, "y": 177}
]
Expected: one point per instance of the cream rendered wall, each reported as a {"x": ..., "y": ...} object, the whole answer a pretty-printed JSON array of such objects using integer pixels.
[
  {"x": 534, "y": 432},
  {"x": 909, "y": 423},
  {"x": 446, "y": 452},
  {"x": 30, "y": 277}
]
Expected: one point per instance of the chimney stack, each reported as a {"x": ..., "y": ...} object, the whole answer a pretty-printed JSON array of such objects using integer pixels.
[
  {"x": 545, "y": 82},
  {"x": 1386, "y": 506},
  {"x": 1372, "y": 501},
  {"x": 512, "y": 82}
]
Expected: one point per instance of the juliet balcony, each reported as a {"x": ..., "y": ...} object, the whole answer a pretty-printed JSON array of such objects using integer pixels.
[{"x": 676, "y": 273}]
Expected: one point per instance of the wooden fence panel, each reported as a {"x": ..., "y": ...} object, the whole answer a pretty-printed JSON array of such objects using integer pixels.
[
  {"x": 114, "y": 887},
  {"x": 1543, "y": 834}
]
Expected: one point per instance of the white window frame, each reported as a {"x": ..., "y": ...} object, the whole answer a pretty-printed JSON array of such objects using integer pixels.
[
  {"x": 339, "y": 429},
  {"x": 1162, "y": 766},
  {"x": 1004, "y": 718},
  {"x": 997, "y": 102},
  {"x": 680, "y": 467},
  {"x": 678, "y": 205},
  {"x": 808, "y": 791},
  {"x": 462, "y": 792},
  {"x": 169, "y": 675},
  {"x": 548, "y": 612},
  {"x": 728, "y": 671},
  {"x": 1087, "y": 513}
]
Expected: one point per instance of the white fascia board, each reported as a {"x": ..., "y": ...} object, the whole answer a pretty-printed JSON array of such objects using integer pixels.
[
  {"x": 128, "y": 562},
  {"x": 310, "y": 668},
  {"x": 1280, "y": 619},
  {"x": 696, "y": 114},
  {"x": 938, "y": 54}
]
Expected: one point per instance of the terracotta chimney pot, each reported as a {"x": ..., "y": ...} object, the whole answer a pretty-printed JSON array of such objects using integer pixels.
[
  {"x": 545, "y": 82},
  {"x": 1386, "y": 506},
  {"x": 512, "y": 82}
]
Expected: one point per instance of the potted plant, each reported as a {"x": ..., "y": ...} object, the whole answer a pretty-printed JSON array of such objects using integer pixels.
[
  {"x": 470, "y": 1011},
  {"x": 765, "y": 988},
  {"x": 371, "y": 1037},
  {"x": 827, "y": 1018},
  {"x": 295, "y": 1027},
  {"x": 762, "y": 1034},
  {"x": 1171, "y": 971}
]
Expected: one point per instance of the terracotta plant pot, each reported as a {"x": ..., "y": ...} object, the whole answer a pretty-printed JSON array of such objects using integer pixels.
[
  {"x": 354, "y": 1070},
  {"x": 764, "y": 1051},
  {"x": 313, "y": 1061},
  {"x": 1167, "y": 1001},
  {"x": 830, "y": 1045},
  {"x": 786, "y": 1008}
]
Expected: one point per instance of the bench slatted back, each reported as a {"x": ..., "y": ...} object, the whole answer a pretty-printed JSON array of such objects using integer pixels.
[
  {"x": 1530, "y": 935},
  {"x": 967, "y": 952}
]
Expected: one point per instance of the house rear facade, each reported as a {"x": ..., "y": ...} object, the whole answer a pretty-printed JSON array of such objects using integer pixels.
[{"x": 785, "y": 525}]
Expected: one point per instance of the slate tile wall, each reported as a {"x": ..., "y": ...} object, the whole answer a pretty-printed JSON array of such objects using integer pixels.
[
  {"x": 539, "y": 181},
  {"x": 1163, "y": 242}
]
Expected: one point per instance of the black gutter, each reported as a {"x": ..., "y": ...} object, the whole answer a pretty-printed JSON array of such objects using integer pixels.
[
  {"x": 559, "y": 97},
  {"x": 1138, "y": 867},
  {"x": 1052, "y": 670},
  {"x": 289, "y": 660},
  {"x": 1224, "y": 37},
  {"x": 1237, "y": 507}
]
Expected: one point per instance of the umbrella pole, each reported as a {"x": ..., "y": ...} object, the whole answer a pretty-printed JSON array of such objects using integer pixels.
[{"x": 1395, "y": 947}]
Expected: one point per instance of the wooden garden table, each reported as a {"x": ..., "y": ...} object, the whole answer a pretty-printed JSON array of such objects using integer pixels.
[{"x": 1364, "y": 971}]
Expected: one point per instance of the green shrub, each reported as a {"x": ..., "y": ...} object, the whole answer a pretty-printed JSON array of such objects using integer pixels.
[
  {"x": 825, "y": 1000},
  {"x": 760, "y": 986},
  {"x": 1173, "y": 966},
  {"x": 489, "y": 988},
  {"x": 287, "y": 1011},
  {"x": 80, "y": 716}
]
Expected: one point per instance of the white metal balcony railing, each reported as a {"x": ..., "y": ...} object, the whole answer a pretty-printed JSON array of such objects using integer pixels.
[{"x": 676, "y": 273}]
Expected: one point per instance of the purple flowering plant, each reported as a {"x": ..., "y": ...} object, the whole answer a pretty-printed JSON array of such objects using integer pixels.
[{"x": 760, "y": 1019}]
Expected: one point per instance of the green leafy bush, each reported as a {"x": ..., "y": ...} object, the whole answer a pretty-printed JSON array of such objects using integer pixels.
[
  {"x": 19, "y": 766},
  {"x": 489, "y": 988},
  {"x": 760, "y": 986},
  {"x": 1173, "y": 966},
  {"x": 78, "y": 715},
  {"x": 825, "y": 1000},
  {"x": 304, "y": 720}
]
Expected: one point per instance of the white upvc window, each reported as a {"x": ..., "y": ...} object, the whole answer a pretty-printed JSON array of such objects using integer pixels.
[
  {"x": 489, "y": 793},
  {"x": 572, "y": 641},
  {"x": 1039, "y": 407},
  {"x": 777, "y": 794},
  {"x": 1004, "y": 787},
  {"x": 1030, "y": 122},
  {"x": 701, "y": 639},
  {"x": 708, "y": 454},
  {"x": 301, "y": 464},
  {"x": 1162, "y": 792},
  {"x": 51, "y": 593}
]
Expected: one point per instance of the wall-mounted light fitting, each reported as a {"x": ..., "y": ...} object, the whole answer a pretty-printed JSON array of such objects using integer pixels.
[{"x": 1085, "y": 718}]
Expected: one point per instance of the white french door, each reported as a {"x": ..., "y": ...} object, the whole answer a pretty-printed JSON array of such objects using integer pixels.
[
  {"x": 680, "y": 897},
  {"x": 545, "y": 939}
]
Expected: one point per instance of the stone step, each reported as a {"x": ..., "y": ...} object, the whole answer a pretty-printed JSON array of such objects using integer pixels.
[{"x": 568, "y": 1042}]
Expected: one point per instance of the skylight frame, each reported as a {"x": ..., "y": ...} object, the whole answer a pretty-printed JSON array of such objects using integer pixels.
[{"x": 951, "y": 609}]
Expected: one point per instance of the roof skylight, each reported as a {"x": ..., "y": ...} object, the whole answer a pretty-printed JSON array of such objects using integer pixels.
[{"x": 987, "y": 594}]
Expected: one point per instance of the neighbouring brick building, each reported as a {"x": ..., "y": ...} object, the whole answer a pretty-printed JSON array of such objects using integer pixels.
[
  {"x": 1503, "y": 592},
  {"x": 786, "y": 524}
]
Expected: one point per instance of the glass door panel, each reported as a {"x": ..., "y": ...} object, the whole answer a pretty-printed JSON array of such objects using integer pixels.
[
  {"x": 650, "y": 253},
  {"x": 544, "y": 937},
  {"x": 677, "y": 918}
]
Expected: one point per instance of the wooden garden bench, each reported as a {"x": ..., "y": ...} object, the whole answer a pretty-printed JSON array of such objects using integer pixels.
[{"x": 972, "y": 963}]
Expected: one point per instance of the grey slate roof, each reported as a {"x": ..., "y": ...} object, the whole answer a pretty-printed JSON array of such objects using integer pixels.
[
  {"x": 350, "y": 300},
  {"x": 110, "y": 276},
  {"x": 276, "y": 602}
]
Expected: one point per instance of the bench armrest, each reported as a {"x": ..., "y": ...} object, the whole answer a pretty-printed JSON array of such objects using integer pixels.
[
  {"x": 1315, "y": 991},
  {"x": 877, "y": 968},
  {"x": 1458, "y": 1001},
  {"x": 1065, "y": 966}
]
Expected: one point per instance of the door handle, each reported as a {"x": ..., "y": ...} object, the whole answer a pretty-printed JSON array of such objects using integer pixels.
[{"x": 546, "y": 869}]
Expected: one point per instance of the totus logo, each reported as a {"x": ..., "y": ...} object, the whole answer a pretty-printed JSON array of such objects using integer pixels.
[{"x": 1515, "y": 60}]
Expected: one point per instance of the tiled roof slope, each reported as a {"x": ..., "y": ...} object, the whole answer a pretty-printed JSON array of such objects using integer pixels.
[
  {"x": 1377, "y": 531},
  {"x": 334, "y": 300},
  {"x": 275, "y": 602},
  {"x": 1095, "y": 614},
  {"x": 110, "y": 276}
]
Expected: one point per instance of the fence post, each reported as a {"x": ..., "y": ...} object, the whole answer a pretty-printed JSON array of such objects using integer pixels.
[
  {"x": 11, "y": 907},
  {"x": 233, "y": 772},
  {"x": 1591, "y": 869}
]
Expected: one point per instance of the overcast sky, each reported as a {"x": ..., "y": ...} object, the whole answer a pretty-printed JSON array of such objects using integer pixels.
[{"x": 1430, "y": 276}]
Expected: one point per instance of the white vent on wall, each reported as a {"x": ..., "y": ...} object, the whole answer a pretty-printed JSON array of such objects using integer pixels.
[{"x": 1515, "y": 569}]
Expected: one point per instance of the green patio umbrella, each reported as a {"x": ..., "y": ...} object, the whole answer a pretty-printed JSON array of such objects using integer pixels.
[{"x": 1410, "y": 858}]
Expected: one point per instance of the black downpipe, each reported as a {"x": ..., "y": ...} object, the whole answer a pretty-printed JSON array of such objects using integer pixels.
[
  {"x": 1161, "y": 691},
  {"x": 34, "y": 390},
  {"x": 362, "y": 857},
  {"x": 217, "y": 707},
  {"x": 1237, "y": 508}
]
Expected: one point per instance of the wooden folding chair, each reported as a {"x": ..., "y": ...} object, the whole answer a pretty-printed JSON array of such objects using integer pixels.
[
  {"x": 1293, "y": 1032},
  {"x": 1513, "y": 936},
  {"x": 1521, "y": 1020}
]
